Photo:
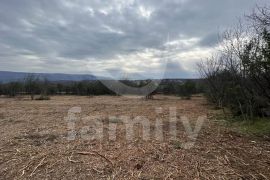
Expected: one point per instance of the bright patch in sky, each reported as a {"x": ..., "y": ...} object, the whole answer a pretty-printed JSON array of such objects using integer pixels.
[{"x": 144, "y": 12}]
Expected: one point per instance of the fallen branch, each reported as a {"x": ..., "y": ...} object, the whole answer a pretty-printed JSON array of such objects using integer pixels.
[
  {"x": 96, "y": 153},
  {"x": 39, "y": 164},
  {"x": 73, "y": 161}
]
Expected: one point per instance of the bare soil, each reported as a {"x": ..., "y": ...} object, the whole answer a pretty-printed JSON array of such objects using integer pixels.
[{"x": 34, "y": 144}]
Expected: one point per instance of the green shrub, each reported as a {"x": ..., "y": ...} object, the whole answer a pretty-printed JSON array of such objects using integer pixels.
[{"x": 186, "y": 89}]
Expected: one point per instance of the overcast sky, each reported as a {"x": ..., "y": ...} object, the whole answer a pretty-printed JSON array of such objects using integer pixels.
[{"x": 120, "y": 38}]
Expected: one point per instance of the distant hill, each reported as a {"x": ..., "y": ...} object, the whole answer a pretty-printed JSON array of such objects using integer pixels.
[{"x": 7, "y": 76}]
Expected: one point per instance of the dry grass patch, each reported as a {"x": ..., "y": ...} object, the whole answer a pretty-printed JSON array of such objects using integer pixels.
[{"x": 37, "y": 147}]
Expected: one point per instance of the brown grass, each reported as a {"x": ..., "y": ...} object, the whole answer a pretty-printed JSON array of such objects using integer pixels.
[{"x": 33, "y": 143}]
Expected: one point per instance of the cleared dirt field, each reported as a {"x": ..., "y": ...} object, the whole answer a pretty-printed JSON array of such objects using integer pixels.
[{"x": 34, "y": 144}]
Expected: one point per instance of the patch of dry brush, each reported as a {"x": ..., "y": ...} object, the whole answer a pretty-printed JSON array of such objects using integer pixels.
[{"x": 33, "y": 144}]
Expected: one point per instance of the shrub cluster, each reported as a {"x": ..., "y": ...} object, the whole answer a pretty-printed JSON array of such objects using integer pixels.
[{"x": 238, "y": 76}]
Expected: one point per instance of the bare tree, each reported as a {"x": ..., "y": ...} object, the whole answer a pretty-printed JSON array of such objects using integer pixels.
[
  {"x": 239, "y": 75},
  {"x": 31, "y": 85}
]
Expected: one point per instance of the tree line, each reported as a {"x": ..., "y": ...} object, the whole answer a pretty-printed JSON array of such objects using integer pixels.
[
  {"x": 238, "y": 75},
  {"x": 33, "y": 85}
]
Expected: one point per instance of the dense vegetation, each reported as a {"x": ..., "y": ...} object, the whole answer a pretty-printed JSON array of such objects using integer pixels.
[
  {"x": 238, "y": 76},
  {"x": 32, "y": 86}
]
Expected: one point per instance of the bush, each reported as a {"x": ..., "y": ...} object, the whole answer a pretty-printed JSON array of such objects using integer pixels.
[
  {"x": 42, "y": 98},
  {"x": 187, "y": 89},
  {"x": 13, "y": 88}
]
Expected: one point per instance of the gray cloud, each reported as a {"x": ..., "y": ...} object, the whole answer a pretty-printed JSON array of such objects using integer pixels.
[
  {"x": 58, "y": 35},
  {"x": 210, "y": 39},
  {"x": 175, "y": 70}
]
